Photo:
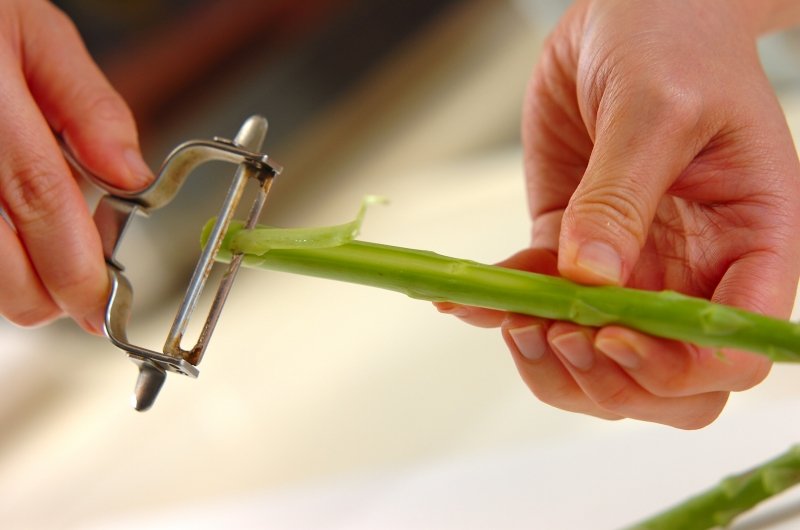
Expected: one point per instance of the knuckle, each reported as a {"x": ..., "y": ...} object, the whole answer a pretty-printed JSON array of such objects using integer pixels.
[
  {"x": 553, "y": 395},
  {"x": 37, "y": 316},
  {"x": 757, "y": 372},
  {"x": 673, "y": 102},
  {"x": 615, "y": 401},
  {"x": 59, "y": 16},
  {"x": 76, "y": 283},
  {"x": 673, "y": 384},
  {"x": 618, "y": 206},
  {"x": 40, "y": 14},
  {"x": 670, "y": 387},
  {"x": 33, "y": 192},
  {"x": 106, "y": 105},
  {"x": 605, "y": 415},
  {"x": 572, "y": 400},
  {"x": 676, "y": 373},
  {"x": 53, "y": 17},
  {"x": 563, "y": 394},
  {"x": 709, "y": 411}
]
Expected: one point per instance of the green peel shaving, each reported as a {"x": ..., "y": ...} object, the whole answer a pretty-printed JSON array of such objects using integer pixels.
[{"x": 262, "y": 239}]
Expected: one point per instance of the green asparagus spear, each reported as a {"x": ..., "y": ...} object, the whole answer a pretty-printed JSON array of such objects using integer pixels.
[
  {"x": 718, "y": 506},
  {"x": 429, "y": 276}
]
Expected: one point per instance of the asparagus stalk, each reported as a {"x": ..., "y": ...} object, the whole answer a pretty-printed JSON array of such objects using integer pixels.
[
  {"x": 736, "y": 494},
  {"x": 429, "y": 276}
]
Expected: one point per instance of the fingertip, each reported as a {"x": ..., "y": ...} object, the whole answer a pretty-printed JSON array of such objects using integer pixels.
[
  {"x": 475, "y": 316},
  {"x": 620, "y": 351},
  {"x": 450, "y": 308},
  {"x": 712, "y": 405},
  {"x": 94, "y": 321},
  {"x": 543, "y": 373},
  {"x": 601, "y": 260},
  {"x": 110, "y": 155},
  {"x": 526, "y": 336},
  {"x": 43, "y": 314},
  {"x": 139, "y": 173},
  {"x": 591, "y": 262},
  {"x": 82, "y": 290},
  {"x": 575, "y": 347},
  {"x": 648, "y": 359},
  {"x": 530, "y": 341}
]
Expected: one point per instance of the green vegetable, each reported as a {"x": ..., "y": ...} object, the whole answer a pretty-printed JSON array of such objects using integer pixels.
[
  {"x": 429, "y": 276},
  {"x": 263, "y": 239},
  {"x": 718, "y": 506}
]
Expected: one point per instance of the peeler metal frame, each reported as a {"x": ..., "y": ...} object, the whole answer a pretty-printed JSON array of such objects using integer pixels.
[{"x": 116, "y": 210}]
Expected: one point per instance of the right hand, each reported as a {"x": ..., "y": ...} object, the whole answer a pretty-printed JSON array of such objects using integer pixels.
[
  {"x": 657, "y": 157},
  {"x": 51, "y": 262}
]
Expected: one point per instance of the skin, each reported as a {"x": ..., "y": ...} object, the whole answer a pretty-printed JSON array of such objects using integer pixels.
[
  {"x": 656, "y": 157},
  {"x": 52, "y": 264}
]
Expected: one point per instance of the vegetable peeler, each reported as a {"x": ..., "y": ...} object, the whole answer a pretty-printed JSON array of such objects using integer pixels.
[{"x": 116, "y": 210}]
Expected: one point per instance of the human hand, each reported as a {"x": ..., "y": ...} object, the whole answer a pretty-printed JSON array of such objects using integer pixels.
[
  {"x": 657, "y": 157},
  {"x": 52, "y": 262}
]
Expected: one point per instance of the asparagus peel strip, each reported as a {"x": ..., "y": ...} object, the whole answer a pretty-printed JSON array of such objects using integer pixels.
[
  {"x": 720, "y": 505},
  {"x": 331, "y": 252},
  {"x": 259, "y": 241}
]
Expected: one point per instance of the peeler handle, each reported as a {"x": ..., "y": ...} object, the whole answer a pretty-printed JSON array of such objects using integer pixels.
[
  {"x": 178, "y": 165},
  {"x": 116, "y": 210}
]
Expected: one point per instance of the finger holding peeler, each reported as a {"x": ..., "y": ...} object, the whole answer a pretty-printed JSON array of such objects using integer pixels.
[{"x": 116, "y": 210}]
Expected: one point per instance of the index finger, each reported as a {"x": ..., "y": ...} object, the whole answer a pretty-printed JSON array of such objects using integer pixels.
[
  {"x": 77, "y": 100},
  {"x": 46, "y": 207}
]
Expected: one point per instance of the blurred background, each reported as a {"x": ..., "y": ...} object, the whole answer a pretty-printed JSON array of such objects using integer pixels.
[{"x": 325, "y": 405}]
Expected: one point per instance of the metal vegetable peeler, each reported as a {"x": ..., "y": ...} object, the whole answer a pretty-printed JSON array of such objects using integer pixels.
[{"x": 117, "y": 208}]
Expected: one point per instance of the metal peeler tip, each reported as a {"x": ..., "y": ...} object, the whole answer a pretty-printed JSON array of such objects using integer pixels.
[{"x": 148, "y": 385}]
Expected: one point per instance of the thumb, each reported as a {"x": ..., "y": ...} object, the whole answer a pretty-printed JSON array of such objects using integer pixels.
[{"x": 642, "y": 145}]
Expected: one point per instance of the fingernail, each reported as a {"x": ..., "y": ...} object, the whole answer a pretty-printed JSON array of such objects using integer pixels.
[
  {"x": 530, "y": 340},
  {"x": 138, "y": 167},
  {"x": 456, "y": 310},
  {"x": 601, "y": 259},
  {"x": 576, "y": 349},
  {"x": 96, "y": 320},
  {"x": 620, "y": 352}
]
